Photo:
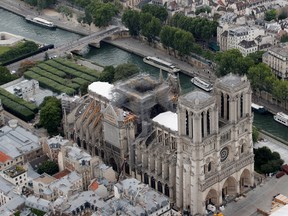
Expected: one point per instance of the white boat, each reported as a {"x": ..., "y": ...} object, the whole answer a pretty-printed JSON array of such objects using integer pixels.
[
  {"x": 41, "y": 22},
  {"x": 259, "y": 109},
  {"x": 281, "y": 118},
  {"x": 157, "y": 62},
  {"x": 202, "y": 84}
]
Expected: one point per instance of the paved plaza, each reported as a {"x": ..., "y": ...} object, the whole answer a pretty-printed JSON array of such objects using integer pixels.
[{"x": 260, "y": 197}]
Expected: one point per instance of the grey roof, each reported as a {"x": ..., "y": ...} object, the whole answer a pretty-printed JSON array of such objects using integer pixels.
[
  {"x": 57, "y": 141},
  {"x": 38, "y": 161},
  {"x": 197, "y": 97},
  {"x": 80, "y": 199},
  {"x": 78, "y": 154},
  {"x": 282, "y": 51},
  {"x": 17, "y": 141},
  {"x": 65, "y": 184},
  {"x": 5, "y": 186},
  {"x": 247, "y": 44},
  {"x": 37, "y": 203},
  {"x": 232, "y": 81},
  {"x": 12, "y": 205}
]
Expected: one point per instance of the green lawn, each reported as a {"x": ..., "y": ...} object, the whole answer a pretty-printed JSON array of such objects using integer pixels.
[{"x": 4, "y": 49}]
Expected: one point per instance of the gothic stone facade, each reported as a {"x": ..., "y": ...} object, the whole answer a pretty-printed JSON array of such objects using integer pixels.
[{"x": 208, "y": 160}]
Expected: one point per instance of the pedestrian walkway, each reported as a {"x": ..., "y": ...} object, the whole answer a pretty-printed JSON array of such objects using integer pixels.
[{"x": 271, "y": 107}]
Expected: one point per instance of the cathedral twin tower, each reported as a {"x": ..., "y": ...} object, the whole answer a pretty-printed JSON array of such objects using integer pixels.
[{"x": 200, "y": 154}]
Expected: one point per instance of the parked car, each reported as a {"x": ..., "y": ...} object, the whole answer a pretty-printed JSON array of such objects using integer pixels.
[{"x": 280, "y": 174}]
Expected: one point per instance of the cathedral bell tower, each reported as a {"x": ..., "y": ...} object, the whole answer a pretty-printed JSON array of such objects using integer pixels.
[{"x": 197, "y": 122}]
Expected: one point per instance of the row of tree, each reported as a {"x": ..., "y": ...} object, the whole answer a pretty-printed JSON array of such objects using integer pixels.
[
  {"x": 41, "y": 4},
  {"x": 19, "y": 50},
  {"x": 100, "y": 13},
  {"x": 259, "y": 74},
  {"x": 201, "y": 28}
]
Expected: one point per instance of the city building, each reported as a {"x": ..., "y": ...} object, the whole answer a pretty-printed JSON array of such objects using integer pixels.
[
  {"x": 52, "y": 147},
  {"x": 195, "y": 148},
  {"x": 276, "y": 58},
  {"x": 73, "y": 158},
  {"x": 69, "y": 103},
  {"x": 16, "y": 175},
  {"x": 130, "y": 198},
  {"x": 230, "y": 36},
  {"x": 17, "y": 145}
]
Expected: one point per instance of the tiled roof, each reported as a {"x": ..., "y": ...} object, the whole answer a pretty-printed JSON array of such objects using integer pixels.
[
  {"x": 61, "y": 174},
  {"x": 93, "y": 186},
  {"x": 4, "y": 157}
]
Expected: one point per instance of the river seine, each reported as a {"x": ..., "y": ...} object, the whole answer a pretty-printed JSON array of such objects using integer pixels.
[{"x": 110, "y": 55}]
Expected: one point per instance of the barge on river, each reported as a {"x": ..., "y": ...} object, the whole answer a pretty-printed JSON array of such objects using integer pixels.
[
  {"x": 206, "y": 86},
  {"x": 281, "y": 118},
  {"x": 41, "y": 22},
  {"x": 259, "y": 109},
  {"x": 157, "y": 62}
]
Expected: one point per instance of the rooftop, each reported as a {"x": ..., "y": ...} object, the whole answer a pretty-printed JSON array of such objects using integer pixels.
[
  {"x": 45, "y": 179},
  {"x": 61, "y": 174},
  {"x": 57, "y": 141},
  {"x": 103, "y": 89},
  {"x": 167, "y": 119},
  {"x": 14, "y": 171},
  {"x": 17, "y": 141},
  {"x": 78, "y": 154},
  {"x": 232, "y": 82},
  {"x": 4, "y": 157}
]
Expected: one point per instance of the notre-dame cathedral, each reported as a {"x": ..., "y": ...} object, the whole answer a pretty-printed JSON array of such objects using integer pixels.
[{"x": 196, "y": 148}]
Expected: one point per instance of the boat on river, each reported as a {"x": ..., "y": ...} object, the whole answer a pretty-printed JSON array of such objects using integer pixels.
[
  {"x": 157, "y": 62},
  {"x": 41, "y": 22},
  {"x": 281, "y": 118},
  {"x": 259, "y": 109},
  {"x": 206, "y": 86}
]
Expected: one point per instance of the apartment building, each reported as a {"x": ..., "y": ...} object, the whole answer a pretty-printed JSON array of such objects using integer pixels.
[{"x": 277, "y": 59}]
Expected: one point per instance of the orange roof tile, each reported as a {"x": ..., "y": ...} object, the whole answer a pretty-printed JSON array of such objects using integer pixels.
[
  {"x": 93, "y": 186},
  {"x": 61, "y": 174},
  {"x": 4, "y": 157}
]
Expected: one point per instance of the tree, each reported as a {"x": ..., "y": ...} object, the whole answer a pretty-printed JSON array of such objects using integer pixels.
[
  {"x": 232, "y": 61},
  {"x": 255, "y": 134},
  {"x": 167, "y": 37},
  {"x": 152, "y": 29},
  {"x": 48, "y": 167},
  {"x": 261, "y": 77},
  {"x": 284, "y": 38},
  {"x": 6, "y": 76},
  {"x": 107, "y": 75},
  {"x": 51, "y": 114},
  {"x": 124, "y": 71},
  {"x": 156, "y": 11},
  {"x": 256, "y": 56},
  {"x": 270, "y": 15},
  {"x": 84, "y": 88},
  {"x": 183, "y": 42},
  {"x": 24, "y": 66},
  {"x": 266, "y": 161},
  {"x": 280, "y": 90},
  {"x": 131, "y": 20},
  {"x": 103, "y": 14}
]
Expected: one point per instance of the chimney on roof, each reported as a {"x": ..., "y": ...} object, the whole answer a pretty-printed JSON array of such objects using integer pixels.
[{"x": 13, "y": 123}]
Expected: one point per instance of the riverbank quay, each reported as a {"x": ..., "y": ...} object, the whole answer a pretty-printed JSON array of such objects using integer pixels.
[
  {"x": 273, "y": 143},
  {"x": 272, "y": 108},
  {"x": 22, "y": 9},
  {"x": 143, "y": 49}
]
